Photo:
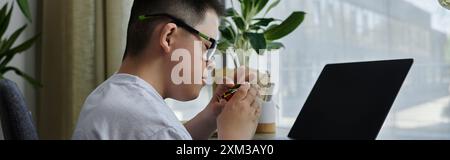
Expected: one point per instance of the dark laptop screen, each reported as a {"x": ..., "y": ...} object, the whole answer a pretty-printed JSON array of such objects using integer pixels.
[{"x": 351, "y": 101}]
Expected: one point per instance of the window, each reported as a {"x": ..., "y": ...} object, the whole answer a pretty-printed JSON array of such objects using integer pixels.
[{"x": 358, "y": 30}]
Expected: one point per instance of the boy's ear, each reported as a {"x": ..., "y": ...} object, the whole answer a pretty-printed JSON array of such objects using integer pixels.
[{"x": 166, "y": 38}]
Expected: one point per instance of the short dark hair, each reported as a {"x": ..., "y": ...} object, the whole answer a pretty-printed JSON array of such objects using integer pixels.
[{"x": 191, "y": 11}]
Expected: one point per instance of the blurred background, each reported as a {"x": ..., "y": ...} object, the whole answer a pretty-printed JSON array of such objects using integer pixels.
[
  {"x": 83, "y": 42},
  {"x": 362, "y": 30}
]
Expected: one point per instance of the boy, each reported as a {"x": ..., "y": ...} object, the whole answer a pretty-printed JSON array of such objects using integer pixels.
[{"x": 130, "y": 104}]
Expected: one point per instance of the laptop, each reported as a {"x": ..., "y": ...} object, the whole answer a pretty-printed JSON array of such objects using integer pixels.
[{"x": 350, "y": 101}]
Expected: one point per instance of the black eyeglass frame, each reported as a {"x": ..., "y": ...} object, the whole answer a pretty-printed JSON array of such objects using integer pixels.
[{"x": 211, "y": 49}]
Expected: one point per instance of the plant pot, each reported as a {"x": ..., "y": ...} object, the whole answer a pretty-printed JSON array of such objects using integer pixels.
[
  {"x": 226, "y": 68},
  {"x": 267, "y": 122}
]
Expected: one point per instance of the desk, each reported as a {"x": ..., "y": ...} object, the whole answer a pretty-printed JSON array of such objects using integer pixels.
[{"x": 281, "y": 134}]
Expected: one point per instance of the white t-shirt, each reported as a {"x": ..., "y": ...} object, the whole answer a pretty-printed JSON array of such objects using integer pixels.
[{"x": 126, "y": 107}]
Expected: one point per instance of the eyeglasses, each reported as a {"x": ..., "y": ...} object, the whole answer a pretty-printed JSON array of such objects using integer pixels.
[{"x": 211, "y": 49}]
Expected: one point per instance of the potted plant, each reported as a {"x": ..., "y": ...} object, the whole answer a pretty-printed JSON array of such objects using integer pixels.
[
  {"x": 8, "y": 46},
  {"x": 252, "y": 30},
  {"x": 249, "y": 31},
  {"x": 445, "y": 3}
]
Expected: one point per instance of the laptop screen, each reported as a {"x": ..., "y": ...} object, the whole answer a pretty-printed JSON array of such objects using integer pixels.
[{"x": 351, "y": 100}]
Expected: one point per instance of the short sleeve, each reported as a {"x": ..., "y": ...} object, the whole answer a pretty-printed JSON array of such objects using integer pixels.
[{"x": 167, "y": 134}]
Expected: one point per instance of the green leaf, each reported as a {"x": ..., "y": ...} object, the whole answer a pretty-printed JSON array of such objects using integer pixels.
[
  {"x": 25, "y": 45},
  {"x": 247, "y": 7},
  {"x": 244, "y": 7},
  {"x": 28, "y": 78},
  {"x": 2, "y": 42},
  {"x": 275, "y": 45},
  {"x": 273, "y": 5},
  {"x": 257, "y": 41},
  {"x": 225, "y": 21},
  {"x": 263, "y": 21},
  {"x": 25, "y": 8},
  {"x": 16, "y": 50},
  {"x": 223, "y": 45},
  {"x": 3, "y": 15},
  {"x": 240, "y": 23},
  {"x": 272, "y": 26},
  {"x": 260, "y": 5},
  {"x": 231, "y": 12},
  {"x": 227, "y": 33},
  {"x": 12, "y": 39},
  {"x": 285, "y": 28},
  {"x": 4, "y": 9},
  {"x": 5, "y": 22},
  {"x": 255, "y": 28}
]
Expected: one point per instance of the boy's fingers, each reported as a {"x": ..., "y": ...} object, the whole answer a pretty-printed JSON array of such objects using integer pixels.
[
  {"x": 257, "y": 110},
  {"x": 228, "y": 82},
  {"x": 251, "y": 95},
  {"x": 241, "y": 75},
  {"x": 245, "y": 74},
  {"x": 241, "y": 93},
  {"x": 222, "y": 102},
  {"x": 222, "y": 88},
  {"x": 256, "y": 102},
  {"x": 252, "y": 78}
]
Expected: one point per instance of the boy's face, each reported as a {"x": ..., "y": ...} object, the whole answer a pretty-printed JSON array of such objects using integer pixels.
[{"x": 198, "y": 63}]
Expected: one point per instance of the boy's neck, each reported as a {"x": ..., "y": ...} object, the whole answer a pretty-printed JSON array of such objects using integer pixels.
[{"x": 151, "y": 72}]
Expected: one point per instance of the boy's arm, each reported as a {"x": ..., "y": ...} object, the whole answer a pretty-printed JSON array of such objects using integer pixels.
[{"x": 202, "y": 126}]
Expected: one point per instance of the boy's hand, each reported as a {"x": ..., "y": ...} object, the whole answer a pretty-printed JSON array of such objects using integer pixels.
[
  {"x": 205, "y": 123},
  {"x": 216, "y": 104},
  {"x": 240, "y": 116}
]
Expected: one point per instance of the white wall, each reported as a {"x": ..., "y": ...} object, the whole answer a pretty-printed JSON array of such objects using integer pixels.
[{"x": 25, "y": 61}]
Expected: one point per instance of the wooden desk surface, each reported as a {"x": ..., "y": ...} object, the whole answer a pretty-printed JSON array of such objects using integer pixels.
[{"x": 281, "y": 134}]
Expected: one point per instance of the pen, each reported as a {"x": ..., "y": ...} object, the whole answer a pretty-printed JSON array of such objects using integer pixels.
[{"x": 229, "y": 94}]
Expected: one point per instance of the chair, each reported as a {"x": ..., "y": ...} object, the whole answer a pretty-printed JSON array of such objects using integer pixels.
[{"x": 16, "y": 120}]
